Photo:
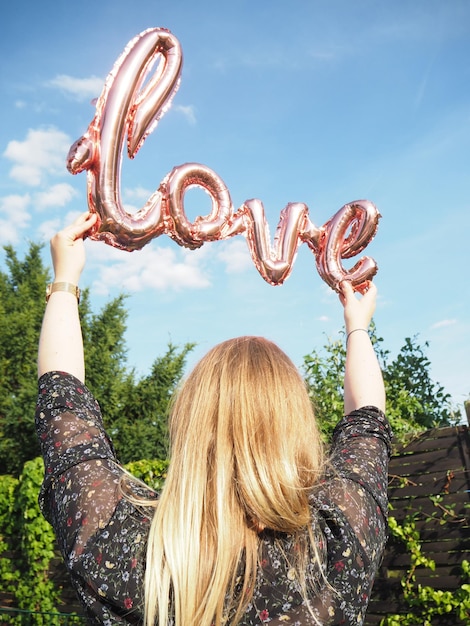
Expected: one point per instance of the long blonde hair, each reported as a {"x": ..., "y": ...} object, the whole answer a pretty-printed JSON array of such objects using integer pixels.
[{"x": 245, "y": 450}]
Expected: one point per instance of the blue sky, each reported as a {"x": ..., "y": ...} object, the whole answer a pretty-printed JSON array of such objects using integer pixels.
[{"x": 307, "y": 101}]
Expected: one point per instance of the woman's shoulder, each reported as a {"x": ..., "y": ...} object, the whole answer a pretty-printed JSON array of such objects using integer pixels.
[
  {"x": 57, "y": 389},
  {"x": 366, "y": 421}
]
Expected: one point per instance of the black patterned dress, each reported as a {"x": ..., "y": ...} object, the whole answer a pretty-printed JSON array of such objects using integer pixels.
[{"x": 103, "y": 536}]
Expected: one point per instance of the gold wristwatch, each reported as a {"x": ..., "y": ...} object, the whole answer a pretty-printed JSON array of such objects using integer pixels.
[{"x": 69, "y": 287}]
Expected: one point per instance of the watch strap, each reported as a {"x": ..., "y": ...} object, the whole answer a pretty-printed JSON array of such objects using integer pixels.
[{"x": 62, "y": 286}]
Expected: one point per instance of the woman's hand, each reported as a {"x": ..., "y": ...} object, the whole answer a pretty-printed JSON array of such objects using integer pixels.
[
  {"x": 358, "y": 312},
  {"x": 68, "y": 251}
]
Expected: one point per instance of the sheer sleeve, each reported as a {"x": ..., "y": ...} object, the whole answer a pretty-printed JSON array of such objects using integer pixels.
[
  {"x": 357, "y": 478},
  {"x": 81, "y": 496},
  {"x": 351, "y": 509}
]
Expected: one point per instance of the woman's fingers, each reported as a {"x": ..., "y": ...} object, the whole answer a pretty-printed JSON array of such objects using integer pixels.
[
  {"x": 76, "y": 230},
  {"x": 67, "y": 249},
  {"x": 81, "y": 225},
  {"x": 346, "y": 291},
  {"x": 358, "y": 311}
]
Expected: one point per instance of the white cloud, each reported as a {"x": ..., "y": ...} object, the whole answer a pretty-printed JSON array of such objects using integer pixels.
[
  {"x": 79, "y": 88},
  {"x": 47, "y": 229},
  {"x": 8, "y": 232},
  {"x": 137, "y": 193},
  {"x": 56, "y": 196},
  {"x": 42, "y": 152},
  {"x": 135, "y": 198},
  {"x": 188, "y": 112},
  {"x": 444, "y": 323},
  {"x": 235, "y": 255},
  {"x": 150, "y": 268},
  {"x": 14, "y": 217},
  {"x": 328, "y": 295}
]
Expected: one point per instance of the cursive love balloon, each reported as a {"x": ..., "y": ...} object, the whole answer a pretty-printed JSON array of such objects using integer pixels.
[{"x": 130, "y": 106}]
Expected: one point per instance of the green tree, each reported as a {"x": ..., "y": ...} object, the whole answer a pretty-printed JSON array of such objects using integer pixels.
[
  {"x": 134, "y": 407},
  {"x": 22, "y": 289},
  {"x": 139, "y": 426},
  {"x": 105, "y": 352},
  {"x": 414, "y": 401},
  {"x": 408, "y": 377}
]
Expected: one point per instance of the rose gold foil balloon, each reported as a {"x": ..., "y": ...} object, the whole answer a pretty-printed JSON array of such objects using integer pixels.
[
  {"x": 127, "y": 107},
  {"x": 208, "y": 228},
  {"x": 274, "y": 263},
  {"x": 130, "y": 106},
  {"x": 360, "y": 219},
  {"x": 344, "y": 236}
]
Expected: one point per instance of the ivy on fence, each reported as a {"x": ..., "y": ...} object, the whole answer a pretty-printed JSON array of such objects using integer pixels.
[{"x": 426, "y": 603}]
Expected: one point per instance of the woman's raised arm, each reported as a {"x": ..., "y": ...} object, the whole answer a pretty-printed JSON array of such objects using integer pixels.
[
  {"x": 60, "y": 343},
  {"x": 363, "y": 382}
]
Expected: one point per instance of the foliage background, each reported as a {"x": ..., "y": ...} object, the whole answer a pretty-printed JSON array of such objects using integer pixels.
[{"x": 135, "y": 410}]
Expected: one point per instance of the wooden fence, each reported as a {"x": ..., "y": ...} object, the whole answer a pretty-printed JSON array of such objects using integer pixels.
[{"x": 429, "y": 477}]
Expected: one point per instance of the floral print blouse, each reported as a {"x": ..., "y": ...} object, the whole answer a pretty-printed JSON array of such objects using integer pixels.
[{"x": 102, "y": 535}]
